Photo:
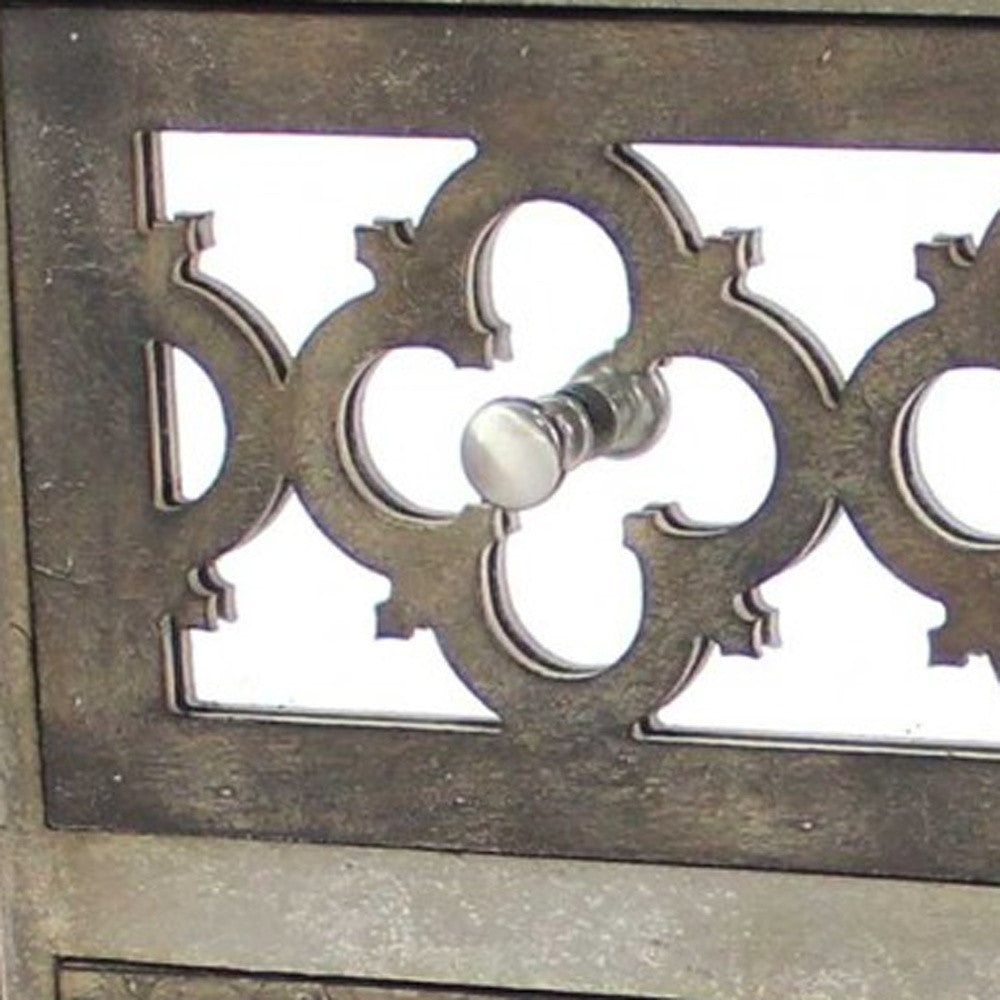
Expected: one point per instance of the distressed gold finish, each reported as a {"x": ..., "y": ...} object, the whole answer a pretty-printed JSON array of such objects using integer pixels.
[
  {"x": 572, "y": 768},
  {"x": 105, "y": 759}
]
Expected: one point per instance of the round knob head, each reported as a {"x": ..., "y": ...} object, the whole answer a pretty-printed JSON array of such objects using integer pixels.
[{"x": 512, "y": 454}]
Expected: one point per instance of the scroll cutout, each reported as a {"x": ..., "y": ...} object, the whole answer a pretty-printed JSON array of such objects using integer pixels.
[{"x": 189, "y": 443}]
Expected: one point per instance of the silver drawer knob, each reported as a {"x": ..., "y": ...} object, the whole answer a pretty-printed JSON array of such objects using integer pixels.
[{"x": 517, "y": 451}]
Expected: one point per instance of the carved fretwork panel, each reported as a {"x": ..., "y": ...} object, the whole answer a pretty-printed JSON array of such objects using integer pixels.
[{"x": 123, "y": 567}]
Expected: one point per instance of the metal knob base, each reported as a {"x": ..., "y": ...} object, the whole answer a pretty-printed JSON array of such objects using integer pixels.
[{"x": 517, "y": 451}]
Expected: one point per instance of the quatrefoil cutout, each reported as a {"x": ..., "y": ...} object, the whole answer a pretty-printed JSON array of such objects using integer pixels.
[{"x": 560, "y": 283}]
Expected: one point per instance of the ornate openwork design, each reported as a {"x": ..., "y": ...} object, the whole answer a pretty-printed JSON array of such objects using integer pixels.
[
  {"x": 688, "y": 297},
  {"x": 122, "y": 567},
  {"x": 300, "y": 423}
]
